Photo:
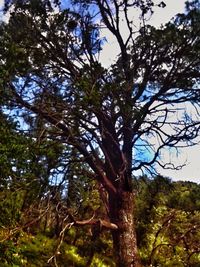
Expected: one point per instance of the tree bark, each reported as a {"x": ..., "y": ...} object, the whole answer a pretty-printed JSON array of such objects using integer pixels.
[{"x": 121, "y": 211}]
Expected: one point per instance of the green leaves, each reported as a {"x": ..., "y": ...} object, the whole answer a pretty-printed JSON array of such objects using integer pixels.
[
  {"x": 168, "y": 222},
  {"x": 82, "y": 124}
]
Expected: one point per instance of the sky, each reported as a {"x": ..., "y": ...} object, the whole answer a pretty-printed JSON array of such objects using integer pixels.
[
  {"x": 190, "y": 155},
  {"x": 160, "y": 16},
  {"x": 1, "y": 5}
]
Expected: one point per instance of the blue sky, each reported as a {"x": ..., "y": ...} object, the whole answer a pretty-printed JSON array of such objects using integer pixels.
[
  {"x": 1, "y": 4},
  {"x": 189, "y": 155}
]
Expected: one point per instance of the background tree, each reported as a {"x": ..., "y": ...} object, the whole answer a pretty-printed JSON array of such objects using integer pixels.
[
  {"x": 50, "y": 68},
  {"x": 168, "y": 222}
]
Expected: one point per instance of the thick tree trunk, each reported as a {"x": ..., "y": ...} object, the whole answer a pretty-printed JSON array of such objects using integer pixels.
[{"x": 121, "y": 208}]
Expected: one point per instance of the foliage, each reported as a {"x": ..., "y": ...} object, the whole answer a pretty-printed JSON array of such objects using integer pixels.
[
  {"x": 168, "y": 232},
  {"x": 83, "y": 129},
  {"x": 28, "y": 225},
  {"x": 72, "y": 92}
]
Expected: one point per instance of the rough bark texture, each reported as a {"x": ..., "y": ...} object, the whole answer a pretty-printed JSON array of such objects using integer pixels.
[{"x": 124, "y": 239}]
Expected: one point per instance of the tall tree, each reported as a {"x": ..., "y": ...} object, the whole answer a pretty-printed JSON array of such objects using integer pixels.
[{"x": 49, "y": 61}]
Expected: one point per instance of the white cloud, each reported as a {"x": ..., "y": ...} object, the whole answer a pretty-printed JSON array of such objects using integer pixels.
[
  {"x": 190, "y": 172},
  {"x": 1, "y": 7},
  {"x": 160, "y": 16},
  {"x": 172, "y": 8}
]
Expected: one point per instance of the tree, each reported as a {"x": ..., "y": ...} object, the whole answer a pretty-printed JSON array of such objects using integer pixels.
[
  {"x": 168, "y": 222},
  {"x": 50, "y": 68}
]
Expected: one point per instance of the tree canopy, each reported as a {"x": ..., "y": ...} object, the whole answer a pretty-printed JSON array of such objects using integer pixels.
[
  {"x": 111, "y": 122},
  {"x": 50, "y": 67}
]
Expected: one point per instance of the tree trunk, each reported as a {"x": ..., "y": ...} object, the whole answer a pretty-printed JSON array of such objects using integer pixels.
[{"x": 121, "y": 208}]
